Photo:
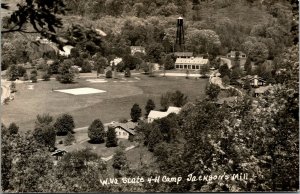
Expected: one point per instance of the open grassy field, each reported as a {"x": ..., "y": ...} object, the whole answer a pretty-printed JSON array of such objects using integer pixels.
[{"x": 114, "y": 104}]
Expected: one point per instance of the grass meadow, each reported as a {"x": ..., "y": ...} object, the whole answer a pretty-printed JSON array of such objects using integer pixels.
[{"x": 114, "y": 104}]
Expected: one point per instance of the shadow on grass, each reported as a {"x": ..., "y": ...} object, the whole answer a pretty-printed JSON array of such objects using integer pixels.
[{"x": 95, "y": 142}]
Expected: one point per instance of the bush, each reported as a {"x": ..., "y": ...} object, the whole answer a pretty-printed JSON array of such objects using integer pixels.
[
  {"x": 96, "y": 132},
  {"x": 25, "y": 77},
  {"x": 45, "y": 134},
  {"x": 127, "y": 72},
  {"x": 46, "y": 76},
  {"x": 108, "y": 74},
  {"x": 33, "y": 78},
  {"x": 123, "y": 120},
  {"x": 136, "y": 112},
  {"x": 64, "y": 124},
  {"x": 66, "y": 75},
  {"x": 111, "y": 140},
  {"x": 86, "y": 67},
  {"x": 212, "y": 91},
  {"x": 69, "y": 139},
  {"x": 13, "y": 128}
]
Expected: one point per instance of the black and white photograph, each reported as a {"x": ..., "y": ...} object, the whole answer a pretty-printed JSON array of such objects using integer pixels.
[{"x": 162, "y": 96}]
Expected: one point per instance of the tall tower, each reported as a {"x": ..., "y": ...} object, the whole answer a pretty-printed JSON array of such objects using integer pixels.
[{"x": 179, "y": 44}]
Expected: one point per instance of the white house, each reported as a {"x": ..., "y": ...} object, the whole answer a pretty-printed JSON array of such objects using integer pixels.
[
  {"x": 232, "y": 54},
  {"x": 190, "y": 63},
  {"x": 124, "y": 130},
  {"x": 183, "y": 54},
  {"x": 116, "y": 61},
  {"x": 158, "y": 114},
  {"x": 137, "y": 49}
]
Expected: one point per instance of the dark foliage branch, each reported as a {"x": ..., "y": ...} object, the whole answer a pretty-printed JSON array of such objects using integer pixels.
[{"x": 40, "y": 14}]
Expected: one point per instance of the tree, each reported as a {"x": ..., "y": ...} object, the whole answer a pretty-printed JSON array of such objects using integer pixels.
[
  {"x": 33, "y": 76},
  {"x": 64, "y": 124},
  {"x": 226, "y": 80},
  {"x": 66, "y": 75},
  {"x": 13, "y": 128},
  {"x": 204, "y": 69},
  {"x": 178, "y": 98},
  {"x": 54, "y": 67},
  {"x": 224, "y": 70},
  {"x": 165, "y": 100},
  {"x": 149, "y": 106},
  {"x": 46, "y": 76},
  {"x": 212, "y": 91},
  {"x": 108, "y": 74},
  {"x": 41, "y": 15},
  {"x": 43, "y": 119},
  {"x": 96, "y": 132},
  {"x": 45, "y": 134},
  {"x": 136, "y": 112},
  {"x": 13, "y": 87},
  {"x": 119, "y": 160},
  {"x": 169, "y": 62},
  {"x": 111, "y": 140},
  {"x": 12, "y": 73},
  {"x": 127, "y": 72},
  {"x": 247, "y": 85},
  {"x": 86, "y": 67},
  {"x": 248, "y": 66},
  {"x": 154, "y": 138}
]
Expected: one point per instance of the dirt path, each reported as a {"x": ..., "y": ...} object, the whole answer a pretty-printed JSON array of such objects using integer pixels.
[{"x": 5, "y": 90}]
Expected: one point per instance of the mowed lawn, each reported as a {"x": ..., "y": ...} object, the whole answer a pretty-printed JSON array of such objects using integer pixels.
[{"x": 114, "y": 104}]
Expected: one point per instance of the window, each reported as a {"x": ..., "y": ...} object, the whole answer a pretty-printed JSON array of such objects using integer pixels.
[
  {"x": 185, "y": 66},
  {"x": 193, "y": 66},
  {"x": 197, "y": 66},
  {"x": 177, "y": 66},
  {"x": 181, "y": 66},
  {"x": 124, "y": 133}
]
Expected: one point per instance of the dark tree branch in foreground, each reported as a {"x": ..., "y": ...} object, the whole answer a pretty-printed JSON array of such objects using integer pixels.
[{"x": 41, "y": 15}]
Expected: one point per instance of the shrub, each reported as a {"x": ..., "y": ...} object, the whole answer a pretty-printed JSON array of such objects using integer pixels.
[
  {"x": 212, "y": 91},
  {"x": 45, "y": 134},
  {"x": 64, "y": 124},
  {"x": 13, "y": 128},
  {"x": 96, "y": 132},
  {"x": 108, "y": 74},
  {"x": 136, "y": 112},
  {"x": 46, "y": 76},
  {"x": 127, "y": 72},
  {"x": 86, "y": 67},
  {"x": 69, "y": 139},
  {"x": 111, "y": 140},
  {"x": 33, "y": 78}
]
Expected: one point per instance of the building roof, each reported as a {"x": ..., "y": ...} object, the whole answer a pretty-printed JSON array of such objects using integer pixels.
[
  {"x": 157, "y": 114},
  {"x": 192, "y": 61},
  {"x": 262, "y": 89},
  {"x": 100, "y": 32},
  {"x": 116, "y": 61},
  {"x": 137, "y": 48},
  {"x": 183, "y": 54},
  {"x": 233, "y": 53},
  {"x": 58, "y": 152},
  {"x": 173, "y": 109},
  {"x": 129, "y": 126}
]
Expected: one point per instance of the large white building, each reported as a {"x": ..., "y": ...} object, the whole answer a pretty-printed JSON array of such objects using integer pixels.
[
  {"x": 137, "y": 49},
  {"x": 193, "y": 63},
  {"x": 158, "y": 114}
]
